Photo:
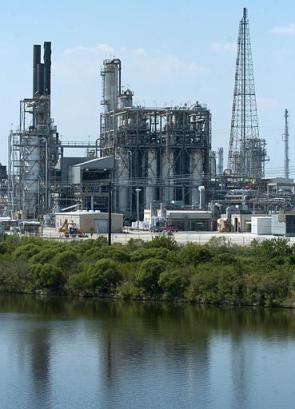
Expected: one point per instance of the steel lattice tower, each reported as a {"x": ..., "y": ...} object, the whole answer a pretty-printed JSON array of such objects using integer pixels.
[{"x": 247, "y": 153}]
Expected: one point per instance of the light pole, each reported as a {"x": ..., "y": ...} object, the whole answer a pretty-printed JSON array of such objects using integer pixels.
[{"x": 137, "y": 190}]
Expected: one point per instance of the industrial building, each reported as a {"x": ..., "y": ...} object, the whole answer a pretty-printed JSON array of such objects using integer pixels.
[
  {"x": 90, "y": 221},
  {"x": 164, "y": 152},
  {"x": 147, "y": 155}
]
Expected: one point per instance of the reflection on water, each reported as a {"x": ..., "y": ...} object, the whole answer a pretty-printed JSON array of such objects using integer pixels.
[{"x": 65, "y": 353}]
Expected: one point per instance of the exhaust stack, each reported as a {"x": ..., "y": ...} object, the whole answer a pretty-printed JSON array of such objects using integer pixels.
[{"x": 42, "y": 71}]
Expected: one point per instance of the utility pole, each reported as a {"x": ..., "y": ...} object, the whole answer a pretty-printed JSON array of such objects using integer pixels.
[
  {"x": 286, "y": 144},
  {"x": 110, "y": 214}
]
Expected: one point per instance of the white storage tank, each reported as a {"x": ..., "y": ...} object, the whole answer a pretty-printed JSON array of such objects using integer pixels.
[{"x": 261, "y": 225}]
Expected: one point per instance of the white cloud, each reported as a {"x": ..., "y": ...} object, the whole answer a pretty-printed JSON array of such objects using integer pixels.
[
  {"x": 267, "y": 104},
  {"x": 288, "y": 30},
  {"x": 84, "y": 60},
  {"x": 155, "y": 79},
  {"x": 223, "y": 48}
]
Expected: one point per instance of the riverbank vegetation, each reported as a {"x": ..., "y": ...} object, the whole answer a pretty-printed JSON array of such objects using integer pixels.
[{"x": 261, "y": 274}]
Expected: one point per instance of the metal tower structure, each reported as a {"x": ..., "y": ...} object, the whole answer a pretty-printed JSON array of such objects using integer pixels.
[
  {"x": 34, "y": 147},
  {"x": 286, "y": 145},
  {"x": 247, "y": 153}
]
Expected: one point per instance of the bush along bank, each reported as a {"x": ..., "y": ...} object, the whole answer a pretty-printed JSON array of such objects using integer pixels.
[{"x": 262, "y": 274}]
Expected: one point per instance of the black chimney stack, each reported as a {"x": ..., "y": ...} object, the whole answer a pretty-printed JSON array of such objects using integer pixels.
[
  {"x": 36, "y": 61},
  {"x": 47, "y": 67},
  {"x": 40, "y": 79}
]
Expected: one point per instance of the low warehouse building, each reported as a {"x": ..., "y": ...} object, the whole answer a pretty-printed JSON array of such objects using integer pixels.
[
  {"x": 88, "y": 221},
  {"x": 190, "y": 220}
]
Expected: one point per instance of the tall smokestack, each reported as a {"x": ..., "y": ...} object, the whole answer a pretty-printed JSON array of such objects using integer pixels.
[
  {"x": 36, "y": 61},
  {"x": 47, "y": 67},
  {"x": 40, "y": 79}
]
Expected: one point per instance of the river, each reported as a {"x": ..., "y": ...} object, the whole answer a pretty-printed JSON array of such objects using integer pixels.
[{"x": 71, "y": 353}]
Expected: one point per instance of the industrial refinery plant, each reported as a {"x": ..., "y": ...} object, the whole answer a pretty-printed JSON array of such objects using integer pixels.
[{"x": 153, "y": 165}]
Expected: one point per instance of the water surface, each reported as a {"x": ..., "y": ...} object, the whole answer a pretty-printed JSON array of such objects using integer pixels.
[{"x": 65, "y": 353}]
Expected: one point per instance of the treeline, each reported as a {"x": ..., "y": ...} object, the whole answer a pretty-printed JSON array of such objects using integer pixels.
[{"x": 262, "y": 274}]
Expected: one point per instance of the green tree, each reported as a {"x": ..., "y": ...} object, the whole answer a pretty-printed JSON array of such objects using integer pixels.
[
  {"x": 67, "y": 261},
  {"x": 46, "y": 276},
  {"x": 149, "y": 274},
  {"x": 100, "y": 278}
]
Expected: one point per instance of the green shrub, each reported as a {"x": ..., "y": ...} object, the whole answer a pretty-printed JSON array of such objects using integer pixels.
[
  {"x": 153, "y": 252},
  {"x": 194, "y": 254},
  {"x": 116, "y": 252},
  {"x": 218, "y": 244},
  {"x": 26, "y": 251},
  {"x": 161, "y": 241},
  {"x": 149, "y": 274},
  {"x": 101, "y": 241},
  {"x": 46, "y": 276},
  {"x": 203, "y": 287},
  {"x": 134, "y": 244},
  {"x": 4, "y": 247},
  {"x": 14, "y": 276},
  {"x": 230, "y": 284},
  {"x": 100, "y": 278},
  {"x": 173, "y": 283},
  {"x": 44, "y": 256},
  {"x": 80, "y": 282},
  {"x": 276, "y": 250},
  {"x": 67, "y": 261},
  {"x": 225, "y": 259},
  {"x": 267, "y": 289},
  {"x": 128, "y": 290},
  {"x": 104, "y": 276}
]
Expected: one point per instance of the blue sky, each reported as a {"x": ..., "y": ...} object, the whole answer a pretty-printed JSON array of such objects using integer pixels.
[{"x": 172, "y": 52}]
